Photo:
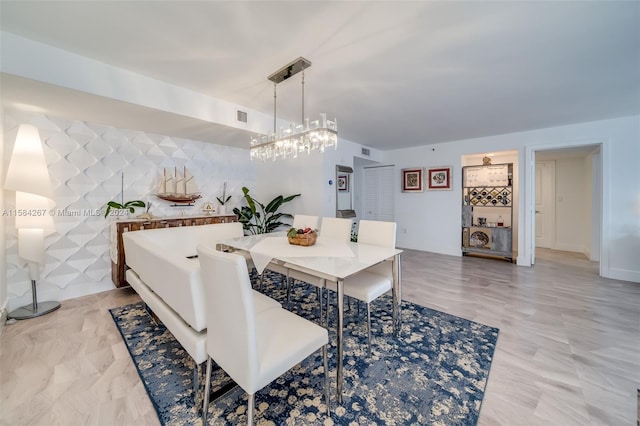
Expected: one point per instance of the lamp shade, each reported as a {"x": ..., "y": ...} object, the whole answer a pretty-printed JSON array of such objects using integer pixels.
[
  {"x": 28, "y": 175},
  {"x": 33, "y": 211},
  {"x": 31, "y": 249},
  {"x": 27, "y": 171}
]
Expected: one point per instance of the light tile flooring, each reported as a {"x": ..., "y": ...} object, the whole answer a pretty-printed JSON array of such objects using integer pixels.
[{"x": 568, "y": 351}]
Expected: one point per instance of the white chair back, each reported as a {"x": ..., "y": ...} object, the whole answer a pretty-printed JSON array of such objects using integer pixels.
[
  {"x": 229, "y": 230},
  {"x": 336, "y": 229},
  {"x": 377, "y": 233},
  {"x": 304, "y": 221},
  {"x": 231, "y": 328}
]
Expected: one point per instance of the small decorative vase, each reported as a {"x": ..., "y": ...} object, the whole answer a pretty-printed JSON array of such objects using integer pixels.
[{"x": 222, "y": 209}]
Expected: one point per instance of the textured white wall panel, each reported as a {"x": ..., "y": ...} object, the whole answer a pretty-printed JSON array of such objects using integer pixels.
[{"x": 85, "y": 163}]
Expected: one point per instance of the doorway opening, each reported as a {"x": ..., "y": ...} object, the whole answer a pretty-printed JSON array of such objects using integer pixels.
[{"x": 567, "y": 195}]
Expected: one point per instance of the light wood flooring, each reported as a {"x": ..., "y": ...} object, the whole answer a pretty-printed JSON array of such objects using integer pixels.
[{"x": 568, "y": 352}]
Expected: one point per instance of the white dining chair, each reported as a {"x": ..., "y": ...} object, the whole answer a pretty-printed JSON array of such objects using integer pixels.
[
  {"x": 253, "y": 347},
  {"x": 377, "y": 280},
  {"x": 338, "y": 229},
  {"x": 331, "y": 228}
]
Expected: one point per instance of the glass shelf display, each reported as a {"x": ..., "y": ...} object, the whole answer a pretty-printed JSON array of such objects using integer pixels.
[{"x": 497, "y": 175}]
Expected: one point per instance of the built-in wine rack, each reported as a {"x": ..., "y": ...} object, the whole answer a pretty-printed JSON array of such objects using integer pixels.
[
  {"x": 498, "y": 196},
  {"x": 487, "y": 210}
]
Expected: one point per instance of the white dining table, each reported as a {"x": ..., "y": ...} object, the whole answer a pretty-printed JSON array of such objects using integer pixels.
[{"x": 330, "y": 260}]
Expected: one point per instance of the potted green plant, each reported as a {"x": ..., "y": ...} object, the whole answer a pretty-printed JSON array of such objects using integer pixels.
[
  {"x": 130, "y": 206},
  {"x": 224, "y": 199},
  {"x": 257, "y": 218}
]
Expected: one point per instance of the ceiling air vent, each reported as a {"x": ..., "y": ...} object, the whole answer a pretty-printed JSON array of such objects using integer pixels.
[
  {"x": 366, "y": 151},
  {"x": 242, "y": 116}
]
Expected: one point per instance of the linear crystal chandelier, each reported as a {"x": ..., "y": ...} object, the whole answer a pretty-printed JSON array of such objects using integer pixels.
[{"x": 309, "y": 136}]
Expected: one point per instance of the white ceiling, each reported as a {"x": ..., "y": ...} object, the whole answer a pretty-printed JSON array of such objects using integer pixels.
[{"x": 395, "y": 74}]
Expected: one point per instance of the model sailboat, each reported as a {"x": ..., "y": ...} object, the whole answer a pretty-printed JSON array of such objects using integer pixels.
[{"x": 181, "y": 190}]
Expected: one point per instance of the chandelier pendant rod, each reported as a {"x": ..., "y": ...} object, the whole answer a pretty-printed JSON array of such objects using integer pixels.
[
  {"x": 302, "y": 121},
  {"x": 274, "y": 107}
]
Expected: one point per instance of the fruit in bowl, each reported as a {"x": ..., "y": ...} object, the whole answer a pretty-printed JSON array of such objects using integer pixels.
[
  {"x": 302, "y": 237},
  {"x": 293, "y": 231}
]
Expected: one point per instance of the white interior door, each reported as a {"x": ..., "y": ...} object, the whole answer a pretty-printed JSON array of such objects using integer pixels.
[
  {"x": 545, "y": 203},
  {"x": 378, "y": 202},
  {"x": 370, "y": 196}
]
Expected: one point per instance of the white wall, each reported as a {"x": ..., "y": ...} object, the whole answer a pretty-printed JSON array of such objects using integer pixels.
[
  {"x": 433, "y": 218},
  {"x": 85, "y": 162},
  {"x": 301, "y": 175},
  {"x": 3, "y": 267}
]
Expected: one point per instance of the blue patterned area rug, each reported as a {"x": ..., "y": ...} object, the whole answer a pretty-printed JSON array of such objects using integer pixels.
[{"x": 434, "y": 373}]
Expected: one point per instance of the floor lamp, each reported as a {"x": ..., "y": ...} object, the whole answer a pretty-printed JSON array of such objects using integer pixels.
[{"x": 28, "y": 176}]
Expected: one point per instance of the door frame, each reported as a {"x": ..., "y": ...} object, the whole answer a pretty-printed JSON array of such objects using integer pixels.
[{"x": 526, "y": 215}]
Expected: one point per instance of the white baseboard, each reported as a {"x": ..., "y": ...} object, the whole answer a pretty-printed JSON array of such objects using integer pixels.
[
  {"x": 523, "y": 261},
  {"x": 568, "y": 247},
  {"x": 624, "y": 275}
]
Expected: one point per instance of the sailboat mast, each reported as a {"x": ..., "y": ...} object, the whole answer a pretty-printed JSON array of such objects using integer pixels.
[{"x": 164, "y": 181}]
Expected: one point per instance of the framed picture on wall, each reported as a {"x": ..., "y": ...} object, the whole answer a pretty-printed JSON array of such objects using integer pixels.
[
  {"x": 439, "y": 178},
  {"x": 343, "y": 183},
  {"x": 412, "y": 180}
]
